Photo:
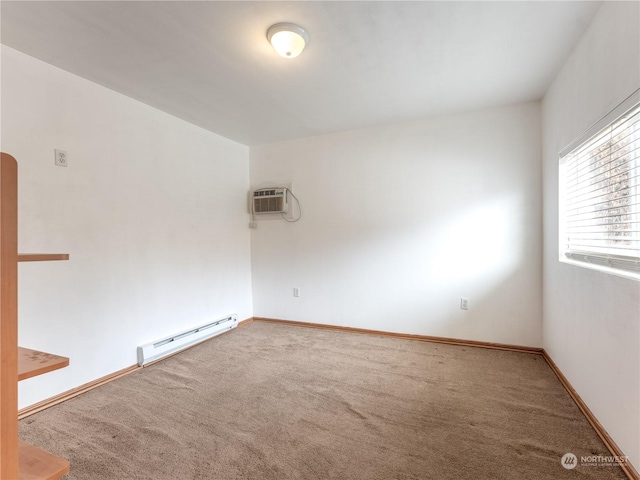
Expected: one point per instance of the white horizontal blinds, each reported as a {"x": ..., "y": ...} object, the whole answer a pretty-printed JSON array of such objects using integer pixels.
[{"x": 602, "y": 196}]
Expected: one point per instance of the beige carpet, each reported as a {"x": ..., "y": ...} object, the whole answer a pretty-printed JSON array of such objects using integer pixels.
[{"x": 278, "y": 402}]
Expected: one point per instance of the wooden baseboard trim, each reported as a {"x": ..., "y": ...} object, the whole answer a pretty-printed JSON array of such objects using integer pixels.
[
  {"x": 407, "y": 336},
  {"x": 50, "y": 402},
  {"x": 246, "y": 321},
  {"x": 628, "y": 469}
]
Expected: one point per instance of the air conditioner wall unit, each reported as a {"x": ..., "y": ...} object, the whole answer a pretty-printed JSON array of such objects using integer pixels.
[{"x": 270, "y": 200}]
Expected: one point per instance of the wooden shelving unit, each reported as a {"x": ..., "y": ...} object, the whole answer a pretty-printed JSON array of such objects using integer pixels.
[
  {"x": 32, "y": 363},
  {"x": 36, "y": 464},
  {"x": 42, "y": 257},
  {"x": 19, "y": 460}
]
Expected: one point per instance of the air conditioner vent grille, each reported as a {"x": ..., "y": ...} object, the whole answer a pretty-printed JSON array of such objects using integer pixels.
[
  {"x": 267, "y": 205},
  {"x": 270, "y": 200},
  {"x": 264, "y": 193}
]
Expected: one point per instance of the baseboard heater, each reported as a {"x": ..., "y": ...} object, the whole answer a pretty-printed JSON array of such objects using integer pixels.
[{"x": 166, "y": 346}]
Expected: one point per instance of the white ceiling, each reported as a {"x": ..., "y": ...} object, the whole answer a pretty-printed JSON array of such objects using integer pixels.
[{"x": 368, "y": 62}]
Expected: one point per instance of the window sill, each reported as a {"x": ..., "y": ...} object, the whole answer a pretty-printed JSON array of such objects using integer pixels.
[{"x": 601, "y": 268}]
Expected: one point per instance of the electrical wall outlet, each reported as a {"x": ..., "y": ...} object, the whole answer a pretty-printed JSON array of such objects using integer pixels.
[
  {"x": 464, "y": 304},
  {"x": 296, "y": 292},
  {"x": 62, "y": 159}
]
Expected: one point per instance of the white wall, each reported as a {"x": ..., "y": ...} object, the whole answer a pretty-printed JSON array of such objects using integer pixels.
[
  {"x": 591, "y": 319},
  {"x": 399, "y": 222},
  {"x": 151, "y": 210}
]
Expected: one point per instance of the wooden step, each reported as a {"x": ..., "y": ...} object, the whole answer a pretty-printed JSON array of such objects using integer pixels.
[
  {"x": 42, "y": 257},
  {"x": 32, "y": 363},
  {"x": 36, "y": 464}
]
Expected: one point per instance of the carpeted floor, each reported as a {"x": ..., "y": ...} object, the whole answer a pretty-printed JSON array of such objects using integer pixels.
[{"x": 277, "y": 402}]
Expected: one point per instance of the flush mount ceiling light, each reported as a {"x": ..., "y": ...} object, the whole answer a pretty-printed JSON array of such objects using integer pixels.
[{"x": 287, "y": 39}]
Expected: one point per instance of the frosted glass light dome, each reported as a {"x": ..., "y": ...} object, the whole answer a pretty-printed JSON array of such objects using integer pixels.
[{"x": 288, "y": 39}]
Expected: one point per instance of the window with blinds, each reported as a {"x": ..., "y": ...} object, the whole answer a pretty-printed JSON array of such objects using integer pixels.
[{"x": 600, "y": 193}]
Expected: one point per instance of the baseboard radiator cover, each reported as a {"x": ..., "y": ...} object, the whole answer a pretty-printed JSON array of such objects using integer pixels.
[{"x": 153, "y": 351}]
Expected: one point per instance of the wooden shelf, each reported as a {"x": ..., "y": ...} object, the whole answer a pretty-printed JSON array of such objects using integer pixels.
[
  {"x": 42, "y": 257},
  {"x": 36, "y": 464},
  {"x": 32, "y": 363},
  {"x": 19, "y": 460}
]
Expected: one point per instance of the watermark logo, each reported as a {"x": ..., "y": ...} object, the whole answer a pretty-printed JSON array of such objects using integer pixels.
[
  {"x": 569, "y": 461},
  {"x": 604, "y": 460}
]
